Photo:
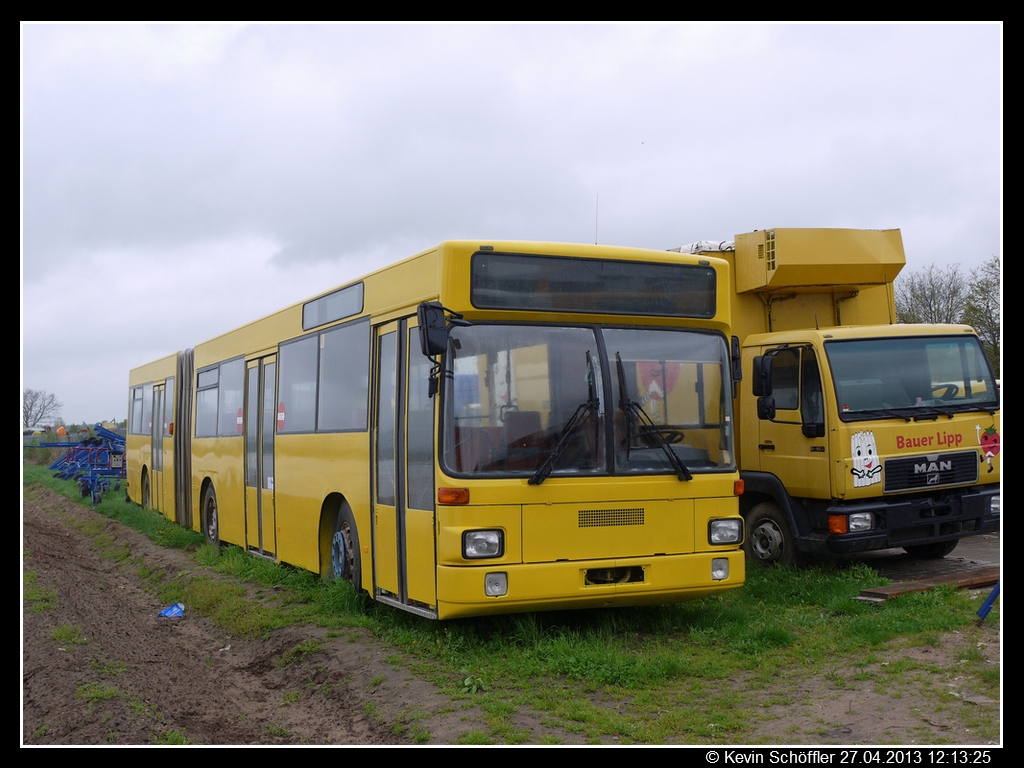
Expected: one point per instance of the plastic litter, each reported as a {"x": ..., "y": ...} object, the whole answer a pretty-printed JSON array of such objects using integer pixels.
[{"x": 174, "y": 611}]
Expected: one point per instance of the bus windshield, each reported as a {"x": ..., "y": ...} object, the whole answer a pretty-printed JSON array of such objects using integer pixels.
[
  {"x": 910, "y": 377},
  {"x": 541, "y": 400}
]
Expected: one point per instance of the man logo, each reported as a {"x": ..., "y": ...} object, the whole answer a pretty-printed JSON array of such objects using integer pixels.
[{"x": 935, "y": 466}]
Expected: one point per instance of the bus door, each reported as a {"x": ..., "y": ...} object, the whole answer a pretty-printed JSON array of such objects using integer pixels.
[
  {"x": 164, "y": 497},
  {"x": 260, "y": 424},
  {"x": 403, "y": 520},
  {"x": 156, "y": 474}
]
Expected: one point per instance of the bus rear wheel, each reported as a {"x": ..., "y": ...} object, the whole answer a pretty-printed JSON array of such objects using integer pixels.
[
  {"x": 345, "y": 560},
  {"x": 211, "y": 524}
]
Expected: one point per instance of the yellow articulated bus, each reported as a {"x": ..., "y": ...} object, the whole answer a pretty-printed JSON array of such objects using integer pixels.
[{"x": 479, "y": 429}]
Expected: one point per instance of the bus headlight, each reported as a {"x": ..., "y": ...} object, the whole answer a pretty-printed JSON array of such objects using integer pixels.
[
  {"x": 719, "y": 568},
  {"x": 726, "y": 531},
  {"x": 480, "y": 544}
]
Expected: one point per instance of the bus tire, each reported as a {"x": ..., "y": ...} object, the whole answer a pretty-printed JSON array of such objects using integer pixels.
[
  {"x": 345, "y": 560},
  {"x": 211, "y": 520},
  {"x": 934, "y": 551},
  {"x": 770, "y": 540},
  {"x": 145, "y": 489}
]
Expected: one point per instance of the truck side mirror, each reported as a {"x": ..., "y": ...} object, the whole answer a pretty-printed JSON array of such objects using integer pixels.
[
  {"x": 816, "y": 429},
  {"x": 762, "y": 377},
  {"x": 766, "y": 408},
  {"x": 737, "y": 360}
]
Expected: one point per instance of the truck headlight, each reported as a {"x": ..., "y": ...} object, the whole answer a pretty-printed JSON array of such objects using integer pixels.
[
  {"x": 725, "y": 531},
  {"x": 481, "y": 544},
  {"x": 855, "y": 522},
  {"x": 861, "y": 521}
]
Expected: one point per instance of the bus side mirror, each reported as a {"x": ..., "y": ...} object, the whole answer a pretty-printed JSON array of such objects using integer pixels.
[
  {"x": 737, "y": 360},
  {"x": 762, "y": 378},
  {"x": 433, "y": 330}
]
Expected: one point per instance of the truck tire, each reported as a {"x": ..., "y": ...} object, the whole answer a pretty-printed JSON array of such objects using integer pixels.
[
  {"x": 770, "y": 540},
  {"x": 935, "y": 551}
]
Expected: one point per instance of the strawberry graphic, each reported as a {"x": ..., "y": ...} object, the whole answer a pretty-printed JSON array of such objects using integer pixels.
[{"x": 989, "y": 442}]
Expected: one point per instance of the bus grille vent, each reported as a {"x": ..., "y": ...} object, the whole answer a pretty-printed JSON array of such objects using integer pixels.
[{"x": 603, "y": 518}]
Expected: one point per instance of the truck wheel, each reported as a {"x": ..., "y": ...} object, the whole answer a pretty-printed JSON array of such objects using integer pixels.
[
  {"x": 934, "y": 551},
  {"x": 770, "y": 540}
]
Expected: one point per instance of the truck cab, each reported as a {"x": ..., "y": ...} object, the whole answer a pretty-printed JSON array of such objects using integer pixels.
[{"x": 855, "y": 433}]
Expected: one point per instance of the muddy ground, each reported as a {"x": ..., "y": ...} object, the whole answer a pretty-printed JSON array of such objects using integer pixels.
[{"x": 101, "y": 667}]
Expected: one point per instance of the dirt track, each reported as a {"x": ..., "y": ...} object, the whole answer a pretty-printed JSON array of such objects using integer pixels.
[{"x": 132, "y": 677}]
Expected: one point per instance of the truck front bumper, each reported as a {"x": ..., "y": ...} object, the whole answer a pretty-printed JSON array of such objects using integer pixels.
[{"x": 910, "y": 522}]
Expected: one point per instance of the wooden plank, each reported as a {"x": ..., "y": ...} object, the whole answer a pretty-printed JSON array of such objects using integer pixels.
[{"x": 980, "y": 577}]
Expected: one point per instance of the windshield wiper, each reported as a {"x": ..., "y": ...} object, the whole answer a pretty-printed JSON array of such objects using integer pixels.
[
  {"x": 648, "y": 429},
  {"x": 572, "y": 428},
  {"x": 890, "y": 413},
  {"x": 917, "y": 412}
]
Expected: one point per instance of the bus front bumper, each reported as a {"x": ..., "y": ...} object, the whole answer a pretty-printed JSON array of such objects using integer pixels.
[{"x": 586, "y": 584}]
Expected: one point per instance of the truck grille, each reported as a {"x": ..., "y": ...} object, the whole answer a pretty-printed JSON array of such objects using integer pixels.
[{"x": 936, "y": 470}]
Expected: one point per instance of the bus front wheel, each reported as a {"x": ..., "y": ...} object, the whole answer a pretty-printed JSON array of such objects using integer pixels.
[{"x": 211, "y": 524}]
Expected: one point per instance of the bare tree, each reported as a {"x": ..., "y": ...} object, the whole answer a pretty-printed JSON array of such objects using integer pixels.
[
  {"x": 984, "y": 304},
  {"x": 38, "y": 406},
  {"x": 932, "y": 295}
]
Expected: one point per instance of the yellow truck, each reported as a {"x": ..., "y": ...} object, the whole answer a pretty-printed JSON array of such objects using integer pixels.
[{"x": 854, "y": 432}]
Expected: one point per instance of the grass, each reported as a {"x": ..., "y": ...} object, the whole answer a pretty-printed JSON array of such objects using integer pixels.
[
  {"x": 37, "y": 599},
  {"x": 66, "y": 634},
  {"x": 114, "y": 506},
  {"x": 299, "y": 652},
  {"x": 170, "y": 737},
  {"x": 643, "y": 675},
  {"x": 95, "y": 692}
]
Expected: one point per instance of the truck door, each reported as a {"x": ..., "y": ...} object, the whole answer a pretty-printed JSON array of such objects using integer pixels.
[{"x": 794, "y": 446}]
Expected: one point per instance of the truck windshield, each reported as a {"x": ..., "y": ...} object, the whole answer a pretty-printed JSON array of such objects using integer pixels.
[
  {"x": 910, "y": 377},
  {"x": 534, "y": 401}
]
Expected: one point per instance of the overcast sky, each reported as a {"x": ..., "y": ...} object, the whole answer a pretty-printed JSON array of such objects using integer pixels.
[{"x": 179, "y": 181}]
